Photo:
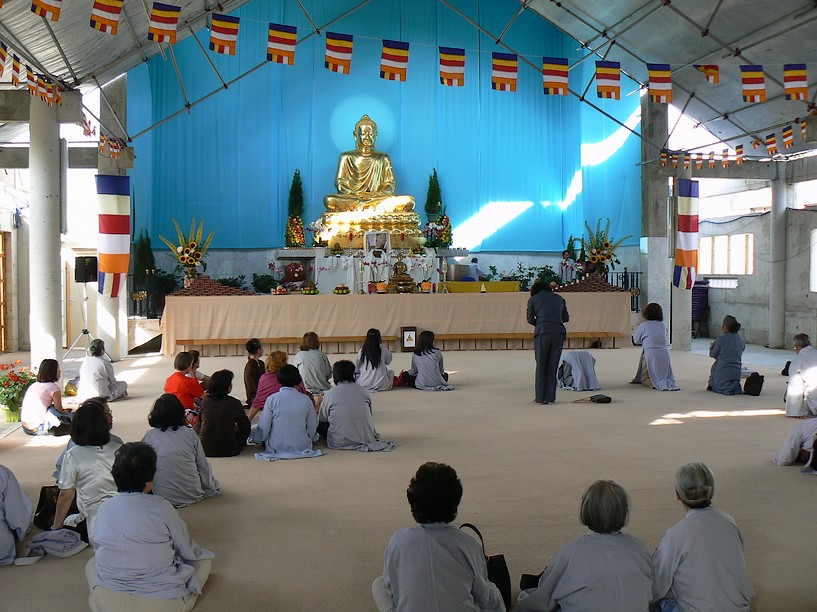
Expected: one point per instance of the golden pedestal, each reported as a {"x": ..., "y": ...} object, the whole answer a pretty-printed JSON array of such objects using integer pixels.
[{"x": 339, "y": 224}]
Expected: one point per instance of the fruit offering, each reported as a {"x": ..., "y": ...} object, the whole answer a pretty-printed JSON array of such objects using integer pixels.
[
  {"x": 280, "y": 290},
  {"x": 341, "y": 290},
  {"x": 310, "y": 289}
]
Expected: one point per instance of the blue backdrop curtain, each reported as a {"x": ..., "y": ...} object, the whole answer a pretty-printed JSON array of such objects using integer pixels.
[{"x": 514, "y": 173}]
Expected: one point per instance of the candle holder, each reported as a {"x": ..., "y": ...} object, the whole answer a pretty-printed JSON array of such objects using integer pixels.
[
  {"x": 360, "y": 279},
  {"x": 444, "y": 268}
]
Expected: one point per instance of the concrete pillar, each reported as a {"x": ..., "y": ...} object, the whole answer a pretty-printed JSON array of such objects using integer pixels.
[
  {"x": 655, "y": 262},
  {"x": 777, "y": 257},
  {"x": 45, "y": 318},
  {"x": 112, "y": 313}
]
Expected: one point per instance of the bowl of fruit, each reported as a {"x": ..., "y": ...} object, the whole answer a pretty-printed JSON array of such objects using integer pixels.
[
  {"x": 341, "y": 290},
  {"x": 310, "y": 289},
  {"x": 280, "y": 290}
]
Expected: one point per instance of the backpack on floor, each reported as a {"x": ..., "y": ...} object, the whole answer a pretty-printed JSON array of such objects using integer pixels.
[{"x": 753, "y": 384}]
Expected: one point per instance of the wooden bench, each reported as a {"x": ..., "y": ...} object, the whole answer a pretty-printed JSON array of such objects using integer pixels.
[
  {"x": 228, "y": 347},
  {"x": 512, "y": 340}
]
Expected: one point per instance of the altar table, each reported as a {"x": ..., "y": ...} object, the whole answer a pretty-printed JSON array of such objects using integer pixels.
[{"x": 229, "y": 321}]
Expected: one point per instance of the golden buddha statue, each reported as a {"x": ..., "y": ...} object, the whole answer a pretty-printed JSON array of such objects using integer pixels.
[
  {"x": 365, "y": 177},
  {"x": 401, "y": 281}
]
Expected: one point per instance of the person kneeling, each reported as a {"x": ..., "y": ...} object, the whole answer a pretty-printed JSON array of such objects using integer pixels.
[
  {"x": 145, "y": 557},
  {"x": 345, "y": 417}
]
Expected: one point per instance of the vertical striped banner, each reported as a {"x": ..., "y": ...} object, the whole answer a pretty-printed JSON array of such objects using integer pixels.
[
  {"x": 164, "y": 19},
  {"x": 113, "y": 249},
  {"x": 105, "y": 15},
  {"x": 660, "y": 85},
  {"x": 394, "y": 60},
  {"x": 224, "y": 34},
  {"x": 281, "y": 40},
  {"x": 788, "y": 137},
  {"x": 452, "y": 66},
  {"x": 795, "y": 80},
  {"x": 771, "y": 144},
  {"x": 739, "y": 154},
  {"x": 686, "y": 244},
  {"x": 754, "y": 84},
  {"x": 554, "y": 76},
  {"x": 608, "y": 80},
  {"x": 504, "y": 70},
  {"x": 339, "y": 52}
]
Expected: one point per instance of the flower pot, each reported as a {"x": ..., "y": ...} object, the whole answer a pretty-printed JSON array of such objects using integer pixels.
[{"x": 12, "y": 415}]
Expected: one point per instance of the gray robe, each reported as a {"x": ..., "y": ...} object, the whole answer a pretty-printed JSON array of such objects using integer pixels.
[
  {"x": 429, "y": 371},
  {"x": 15, "y": 515},
  {"x": 315, "y": 370},
  {"x": 183, "y": 474},
  {"x": 727, "y": 351},
  {"x": 652, "y": 336},
  {"x": 347, "y": 408},
  {"x": 287, "y": 427}
]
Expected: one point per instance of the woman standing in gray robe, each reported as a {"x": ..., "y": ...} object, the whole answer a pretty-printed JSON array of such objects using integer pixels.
[
  {"x": 727, "y": 351},
  {"x": 345, "y": 417}
]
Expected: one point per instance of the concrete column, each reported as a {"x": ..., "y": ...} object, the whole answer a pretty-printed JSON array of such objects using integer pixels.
[
  {"x": 655, "y": 262},
  {"x": 112, "y": 313},
  {"x": 45, "y": 318},
  {"x": 777, "y": 257}
]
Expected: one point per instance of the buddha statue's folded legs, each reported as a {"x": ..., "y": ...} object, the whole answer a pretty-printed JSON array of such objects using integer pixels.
[{"x": 378, "y": 203}]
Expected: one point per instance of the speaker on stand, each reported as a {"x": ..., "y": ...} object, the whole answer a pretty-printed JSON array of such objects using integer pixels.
[{"x": 85, "y": 271}]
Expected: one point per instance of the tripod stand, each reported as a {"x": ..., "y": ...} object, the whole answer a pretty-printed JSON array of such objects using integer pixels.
[{"x": 84, "y": 335}]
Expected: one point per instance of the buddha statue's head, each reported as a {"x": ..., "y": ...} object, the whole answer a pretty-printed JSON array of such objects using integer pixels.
[{"x": 365, "y": 134}]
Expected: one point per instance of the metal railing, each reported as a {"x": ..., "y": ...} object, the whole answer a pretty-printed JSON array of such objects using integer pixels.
[{"x": 630, "y": 281}]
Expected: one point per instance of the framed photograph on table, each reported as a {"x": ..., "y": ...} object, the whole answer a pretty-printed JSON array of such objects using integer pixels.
[
  {"x": 408, "y": 339},
  {"x": 376, "y": 241}
]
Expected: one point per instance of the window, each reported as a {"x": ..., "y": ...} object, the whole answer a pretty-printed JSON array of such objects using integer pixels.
[{"x": 728, "y": 254}]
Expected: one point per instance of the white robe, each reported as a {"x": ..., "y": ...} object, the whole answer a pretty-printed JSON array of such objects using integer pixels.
[
  {"x": 143, "y": 548},
  {"x": 15, "y": 515},
  {"x": 652, "y": 336},
  {"x": 371, "y": 378},
  {"x": 598, "y": 571},
  {"x": 801, "y": 437},
  {"x": 97, "y": 379},
  {"x": 183, "y": 474},
  {"x": 87, "y": 469},
  {"x": 700, "y": 564},
  {"x": 347, "y": 408},
  {"x": 801, "y": 391},
  {"x": 438, "y": 568},
  {"x": 287, "y": 427}
]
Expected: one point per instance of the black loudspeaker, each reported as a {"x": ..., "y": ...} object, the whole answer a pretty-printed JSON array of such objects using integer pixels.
[{"x": 85, "y": 270}]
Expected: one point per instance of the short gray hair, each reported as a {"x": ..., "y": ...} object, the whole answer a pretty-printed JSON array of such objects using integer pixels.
[
  {"x": 97, "y": 347},
  {"x": 695, "y": 484},
  {"x": 801, "y": 340},
  {"x": 605, "y": 507}
]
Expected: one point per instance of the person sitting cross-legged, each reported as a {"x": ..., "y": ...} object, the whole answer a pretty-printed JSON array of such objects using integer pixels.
[
  {"x": 144, "y": 557},
  {"x": 224, "y": 424},
  {"x": 345, "y": 417},
  {"x": 801, "y": 389},
  {"x": 434, "y": 566},
  {"x": 288, "y": 423}
]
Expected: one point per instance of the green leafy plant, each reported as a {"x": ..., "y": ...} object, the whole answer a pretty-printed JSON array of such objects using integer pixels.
[
  {"x": 14, "y": 381},
  {"x": 233, "y": 281},
  {"x": 434, "y": 198},
  {"x": 144, "y": 263},
  {"x": 264, "y": 283}
]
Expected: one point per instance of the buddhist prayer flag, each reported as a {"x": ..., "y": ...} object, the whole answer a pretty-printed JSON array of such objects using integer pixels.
[
  {"x": 803, "y": 129},
  {"x": 164, "y": 18},
  {"x": 739, "y": 154},
  {"x": 50, "y": 90},
  {"x": 504, "y": 70},
  {"x": 554, "y": 76},
  {"x": 452, "y": 66},
  {"x": 47, "y": 9},
  {"x": 795, "y": 81},
  {"x": 224, "y": 34},
  {"x": 756, "y": 143},
  {"x": 114, "y": 233},
  {"x": 712, "y": 72},
  {"x": 699, "y": 161},
  {"x": 660, "y": 87},
  {"x": 725, "y": 158},
  {"x": 31, "y": 81},
  {"x": 281, "y": 44},
  {"x": 788, "y": 137},
  {"x": 754, "y": 85},
  {"x": 712, "y": 159},
  {"x": 339, "y": 52},
  {"x": 771, "y": 144},
  {"x": 105, "y": 15},
  {"x": 15, "y": 70},
  {"x": 4, "y": 56},
  {"x": 41, "y": 89},
  {"x": 394, "y": 60},
  {"x": 608, "y": 80},
  {"x": 686, "y": 243},
  {"x": 674, "y": 160},
  {"x": 687, "y": 158},
  {"x": 664, "y": 157}
]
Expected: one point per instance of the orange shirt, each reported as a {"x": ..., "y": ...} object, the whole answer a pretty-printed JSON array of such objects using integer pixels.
[{"x": 186, "y": 389}]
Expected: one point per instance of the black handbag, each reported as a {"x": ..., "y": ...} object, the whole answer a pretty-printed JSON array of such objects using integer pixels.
[
  {"x": 47, "y": 508},
  {"x": 497, "y": 569},
  {"x": 753, "y": 384}
]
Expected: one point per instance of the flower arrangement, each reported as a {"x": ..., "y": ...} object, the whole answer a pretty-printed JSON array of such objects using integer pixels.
[
  {"x": 438, "y": 233},
  {"x": 317, "y": 229},
  {"x": 295, "y": 233},
  {"x": 599, "y": 250},
  {"x": 295, "y": 226},
  {"x": 15, "y": 379},
  {"x": 190, "y": 251}
]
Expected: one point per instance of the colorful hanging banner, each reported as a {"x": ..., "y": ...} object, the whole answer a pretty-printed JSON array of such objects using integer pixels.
[
  {"x": 754, "y": 84},
  {"x": 788, "y": 137},
  {"x": 725, "y": 158},
  {"x": 281, "y": 41},
  {"x": 795, "y": 80},
  {"x": 105, "y": 15},
  {"x": 699, "y": 161},
  {"x": 739, "y": 154},
  {"x": 164, "y": 19},
  {"x": 686, "y": 243},
  {"x": 712, "y": 159},
  {"x": 49, "y": 93},
  {"x": 608, "y": 80},
  {"x": 15, "y": 70},
  {"x": 4, "y": 56},
  {"x": 42, "y": 91},
  {"x": 452, "y": 66},
  {"x": 675, "y": 160},
  {"x": 31, "y": 81},
  {"x": 771, "y": 144},
  {"x": 339, "y": 52},
  {"x": 712, "y": 72},
  {"x": 664, "y": 158},
  {"x": 504, "y": 71},
  {"x": 660, "y": 83},
  {"x": 223, "y": 34},
  {"x": 687, "y": 159},
  {"x": 47, "y": 9},
  {"x": 394, "y": 60},
  {"x": 554, "y": 76},
  {"x": 803, "y": 129},
  {"x": 114, "y": 233}
]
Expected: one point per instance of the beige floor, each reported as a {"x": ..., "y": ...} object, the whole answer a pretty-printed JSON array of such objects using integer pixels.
[{"x": 309, "y": 534}]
